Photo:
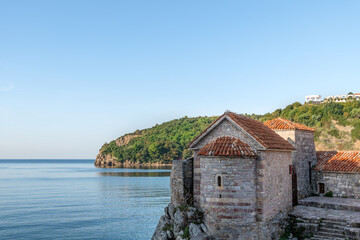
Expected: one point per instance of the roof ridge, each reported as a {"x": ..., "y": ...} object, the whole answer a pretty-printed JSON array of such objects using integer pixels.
[
  {"x": 257, "y": 130},
  {"x": 280, "y": 123}
]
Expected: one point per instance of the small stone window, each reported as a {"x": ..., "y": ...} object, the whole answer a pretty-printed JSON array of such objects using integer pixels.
[
  {"x": 321, "y": 188},
  {"x": 219, "y": 181}
]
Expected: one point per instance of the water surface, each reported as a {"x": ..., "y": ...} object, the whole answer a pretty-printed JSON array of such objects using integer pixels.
[{"x": 71, "y": 199}]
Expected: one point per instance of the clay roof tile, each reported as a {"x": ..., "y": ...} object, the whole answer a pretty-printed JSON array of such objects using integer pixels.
[
  {"x": 260, "y": 132},
  {"x": 338, "y": 161},
  {"x": 284, "y": 124},
  {"x": 227, "y": 146}
]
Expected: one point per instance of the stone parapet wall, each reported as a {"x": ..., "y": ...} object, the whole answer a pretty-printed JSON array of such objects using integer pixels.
[
  {"x": 341, "y": 184},
  {"x": 181, "y": 182}
]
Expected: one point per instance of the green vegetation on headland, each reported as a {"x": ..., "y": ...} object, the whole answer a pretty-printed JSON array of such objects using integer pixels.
[
  {"x": 337, "y": 124},
  {"x": 161, "y": 143}
]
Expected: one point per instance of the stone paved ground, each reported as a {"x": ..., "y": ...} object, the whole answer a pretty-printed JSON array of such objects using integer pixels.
[
  {"x": 328, "y": 218},
  {"x": 332, "y": 203},
  {"x": 306, "y": 212}
]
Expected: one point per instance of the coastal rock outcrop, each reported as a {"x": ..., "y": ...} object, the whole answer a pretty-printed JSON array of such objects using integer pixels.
[
  {"x": 106, "y": 160},
  {"x": 180, "y": 223}
]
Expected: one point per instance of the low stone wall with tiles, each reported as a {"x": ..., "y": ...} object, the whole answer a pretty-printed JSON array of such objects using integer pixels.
[
  {"x": 181, "y": 182},
  {"x": 341, "y": 184}
]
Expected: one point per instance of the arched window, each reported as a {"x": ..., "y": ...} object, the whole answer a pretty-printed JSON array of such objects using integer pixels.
[{"x": 219, "y": 182}]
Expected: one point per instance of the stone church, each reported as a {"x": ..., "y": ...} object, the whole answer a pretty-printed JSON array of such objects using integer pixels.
[{"x": 246, "y": 175}]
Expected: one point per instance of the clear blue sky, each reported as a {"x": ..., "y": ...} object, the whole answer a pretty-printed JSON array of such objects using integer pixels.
[{"x": 75, "y": 74}]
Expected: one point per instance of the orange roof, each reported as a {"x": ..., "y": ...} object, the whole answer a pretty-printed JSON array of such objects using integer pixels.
[
  {"x": 334, "y": 161},
  {"x": 227, "y": 146},
  {"x": 261, "y": 133},
  {"x": 283, "y": 124}
]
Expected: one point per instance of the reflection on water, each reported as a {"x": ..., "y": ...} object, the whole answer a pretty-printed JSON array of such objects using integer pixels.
[
  {"x": 135, "y": 174},
  {"x": 138, "y": 167}
]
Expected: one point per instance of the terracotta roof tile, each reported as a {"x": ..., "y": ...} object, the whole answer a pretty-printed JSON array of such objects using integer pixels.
[
  {"x": 283, "y": 124},
  {"x": 264, "y": 135},
  {"x": 261, "y": 133},
  {"x": 342, "y": 161},
  {"x": 227, "y": 146}
]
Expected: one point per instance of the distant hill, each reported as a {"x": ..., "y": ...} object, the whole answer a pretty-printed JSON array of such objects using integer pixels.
[
  {"x": 337, "y": 124},
  {"x": 161, "y": 143}
]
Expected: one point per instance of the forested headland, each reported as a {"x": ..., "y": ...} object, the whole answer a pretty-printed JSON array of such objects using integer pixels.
[{"x": 337, "y": 128}]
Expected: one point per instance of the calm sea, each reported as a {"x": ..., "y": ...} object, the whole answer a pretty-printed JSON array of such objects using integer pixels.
[{"x": 72, "y": 199}]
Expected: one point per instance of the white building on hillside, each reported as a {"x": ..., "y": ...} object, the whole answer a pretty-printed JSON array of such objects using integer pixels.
[
  {"x": 313, "y": 98},
  {"x": 343, "y": 98}
]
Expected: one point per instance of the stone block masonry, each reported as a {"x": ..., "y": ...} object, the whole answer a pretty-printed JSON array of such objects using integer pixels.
[
  {"x": 229, "y": 209},
  {"x": 302, "y": 159},
  {"x": 224, "y": 129},
  {"x": 341, "y": 184},
  {"x": 181, "y": 182}
]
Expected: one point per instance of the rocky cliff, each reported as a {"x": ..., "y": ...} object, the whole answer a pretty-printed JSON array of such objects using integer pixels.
[
  {"x": 181, "y": 223},
  {"x": 107, "y": 160},
  {"x": 124, "y": 140}
]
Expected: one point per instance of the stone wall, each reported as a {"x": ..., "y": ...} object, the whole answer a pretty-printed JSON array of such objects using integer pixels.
[
  {"x": 225, "y": 128},
  {"x": 181, "y": 182},
  {"x": 303, "y": 158},
  {"x": 341, "y": 184},
  {"x": 274, "y": 184},
  {"x": 229, "y": 211}
]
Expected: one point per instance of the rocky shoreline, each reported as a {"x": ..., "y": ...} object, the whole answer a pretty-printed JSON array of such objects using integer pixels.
[
  {"x": 106, "y": 161},
  {"x": 181, "y": 223}
]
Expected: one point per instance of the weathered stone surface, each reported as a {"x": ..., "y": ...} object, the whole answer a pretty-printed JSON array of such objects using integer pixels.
[
  {"x": 171, "y": 210},
  {"x": 181, "y": 181},
  {"x": 191, "y": 213},
  {"x": 170, "y": 234},
  {"x": 194, "y": 230},
  {"x": 179, "y": 219},
  {"x": 341, "y": 184},
  {"x": 159, "y": 233},
  {"x": 323, "y": 221},
  {"x": 166, "y": 210},
  {"x": 332, "y": 203},
  {"x": 172, "y": 224},
  {"x": 201, "y": 236},
  {"x": 303, "y": 158},
  {"x": 203, "y": 228}
]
